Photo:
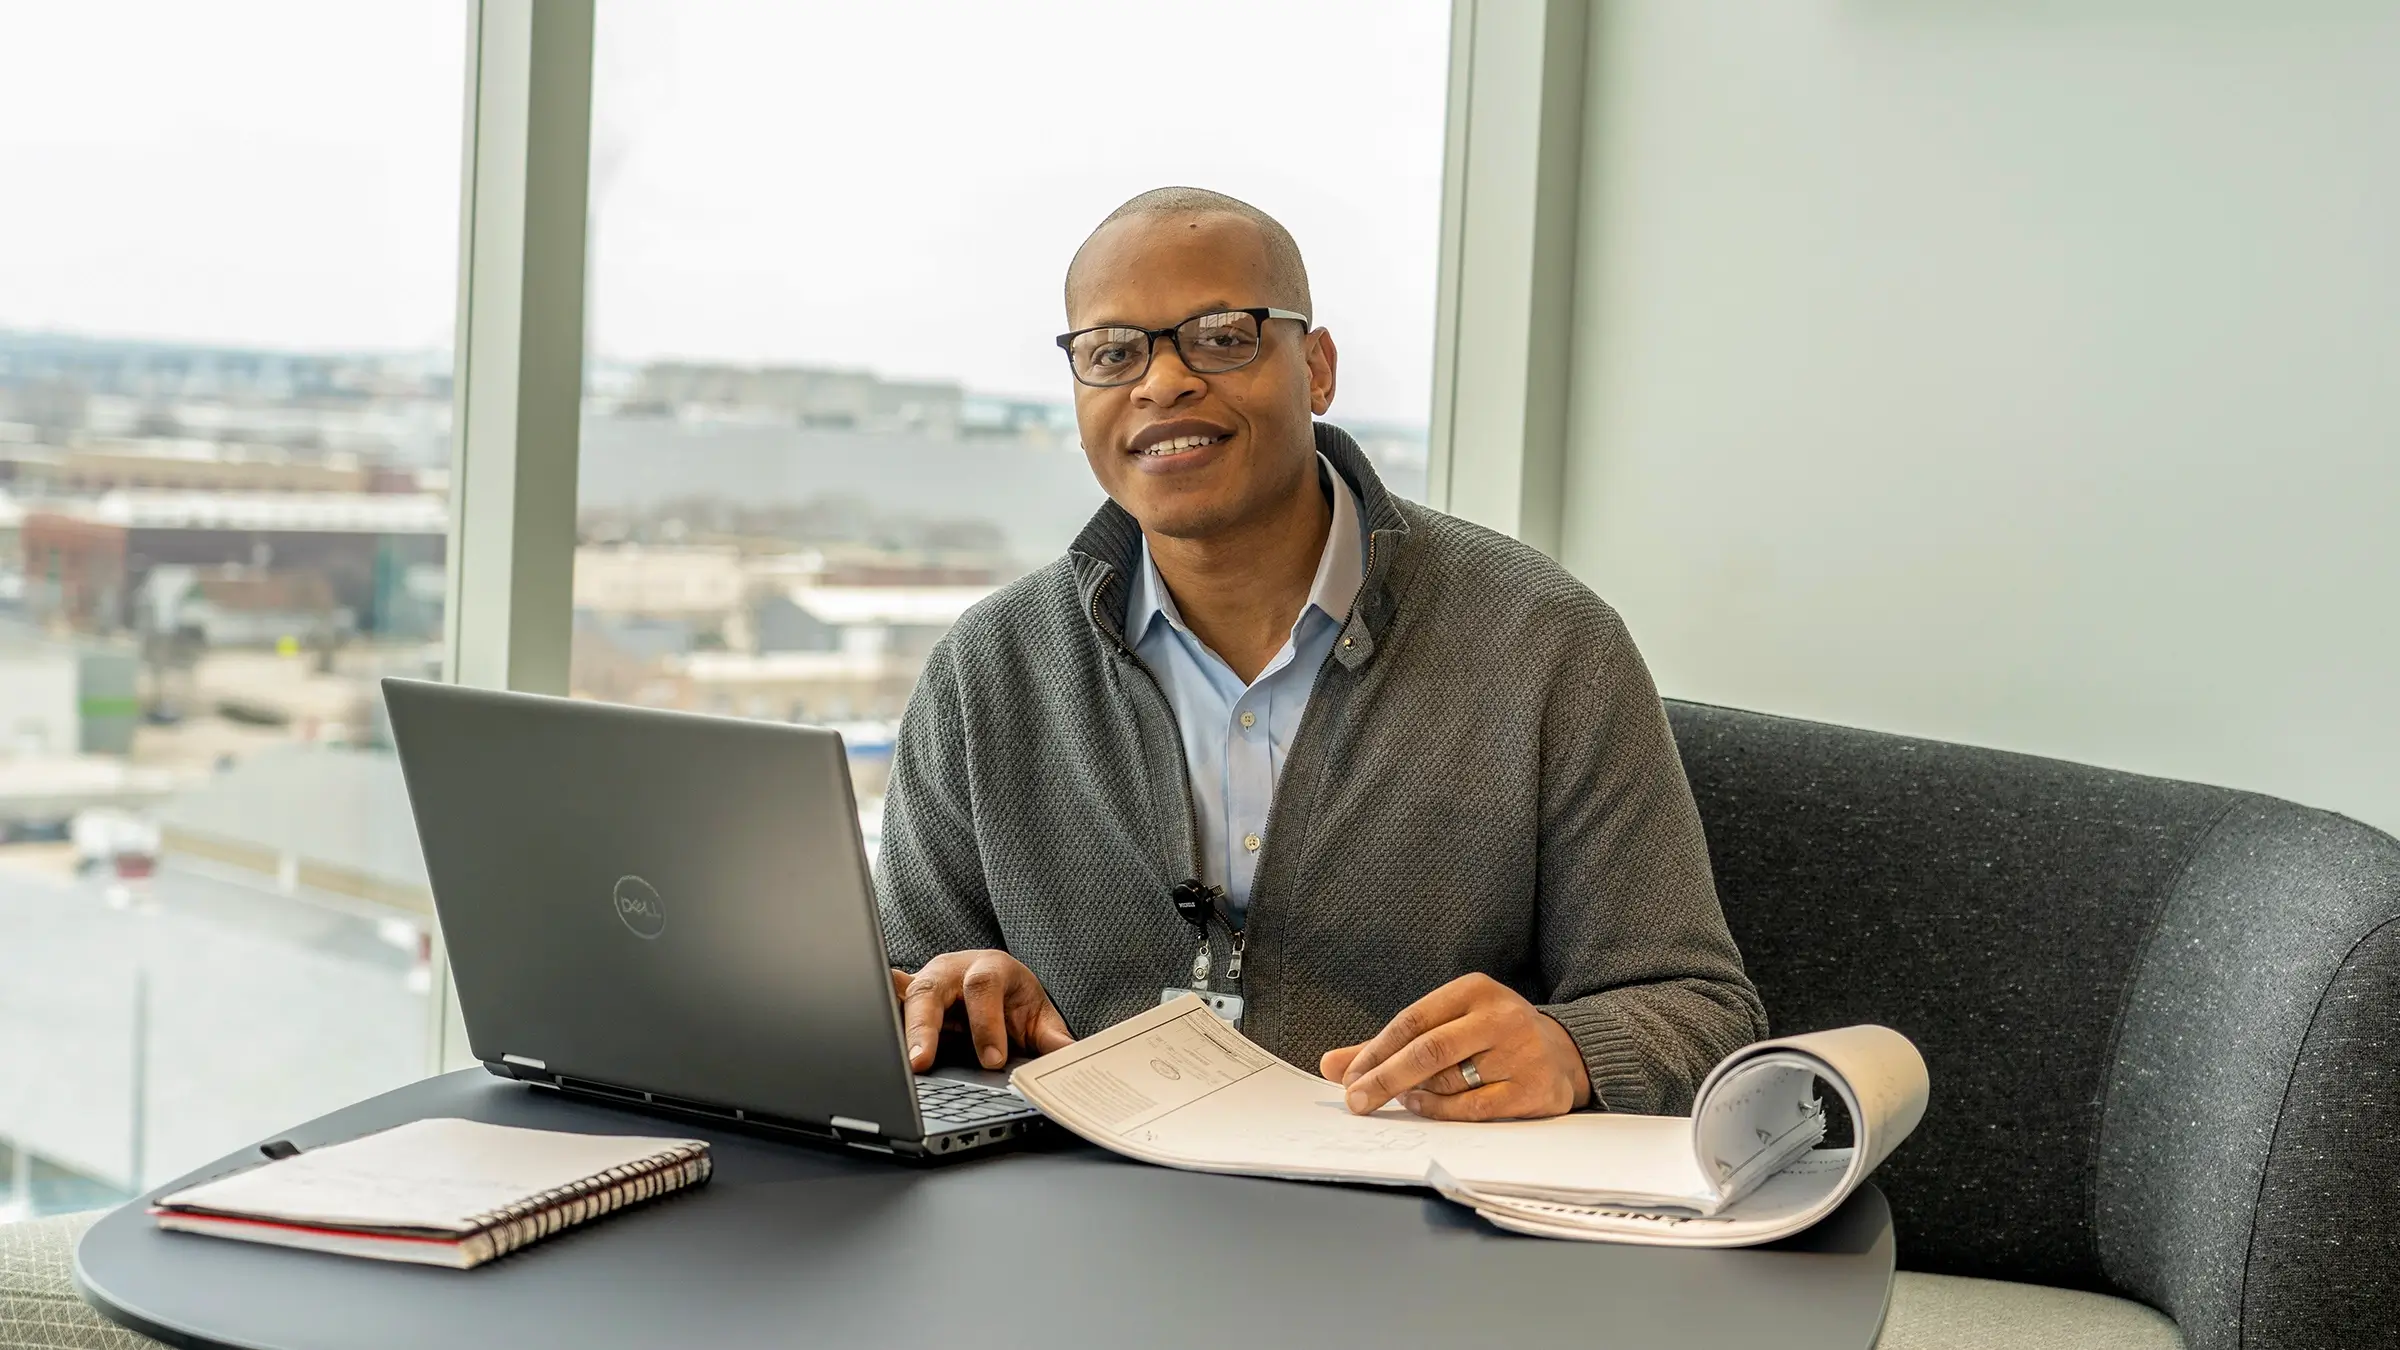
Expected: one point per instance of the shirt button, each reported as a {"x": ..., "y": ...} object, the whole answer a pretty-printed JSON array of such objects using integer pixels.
[
  {"x": 1249, "y": 719},
  {"x": 1250, "y": 842}
]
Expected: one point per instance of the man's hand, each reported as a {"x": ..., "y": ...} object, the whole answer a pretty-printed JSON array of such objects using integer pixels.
[
  {"x": 1528, "y": 1063},
  {"x": 998, "y": 1000}
]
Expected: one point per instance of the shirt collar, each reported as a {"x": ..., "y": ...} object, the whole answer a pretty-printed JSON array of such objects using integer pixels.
[{"x": 1341, "y": 568}]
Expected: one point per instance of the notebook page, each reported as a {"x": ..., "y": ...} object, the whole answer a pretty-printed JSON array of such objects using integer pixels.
[
  {"x": 1178, "y": 1086},
  {"x": 434, "y": 1174}
]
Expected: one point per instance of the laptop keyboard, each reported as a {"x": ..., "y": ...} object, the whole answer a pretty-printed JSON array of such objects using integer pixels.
[{"x": 949, "y": 1100}]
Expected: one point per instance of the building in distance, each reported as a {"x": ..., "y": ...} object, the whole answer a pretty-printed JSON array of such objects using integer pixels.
[
  {"x": 84, "y": 563},
  {"x": 849, "y": 400}
]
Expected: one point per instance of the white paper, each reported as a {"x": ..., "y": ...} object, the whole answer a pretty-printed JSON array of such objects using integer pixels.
[
  {"x": 1790, "y": 1201},
  {"x": 1747, "y": 1115},
  {"x": 1178, "y": 1086}
]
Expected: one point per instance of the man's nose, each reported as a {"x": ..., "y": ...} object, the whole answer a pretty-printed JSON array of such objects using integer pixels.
[{"x": 1168, "y": 381}]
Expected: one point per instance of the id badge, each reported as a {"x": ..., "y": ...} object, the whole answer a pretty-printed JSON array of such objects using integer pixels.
[{"x": 1227, "y": 1006}]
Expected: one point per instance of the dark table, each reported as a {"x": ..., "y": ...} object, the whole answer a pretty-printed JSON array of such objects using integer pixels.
[{"x": 1054, "y": 1245}]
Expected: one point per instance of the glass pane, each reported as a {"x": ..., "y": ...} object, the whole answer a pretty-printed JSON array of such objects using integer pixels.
[
  {"x": 227, "y": 273},
  {"x": 825, "y": 410}
]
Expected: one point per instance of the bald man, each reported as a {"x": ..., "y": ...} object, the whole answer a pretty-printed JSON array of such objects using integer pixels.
[{"x": 1396, "y": 791}]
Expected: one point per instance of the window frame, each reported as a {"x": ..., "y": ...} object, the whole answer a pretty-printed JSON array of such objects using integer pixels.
[
  {"x": 1511, "y": 167},
  {"x": 518, "y": 380}
]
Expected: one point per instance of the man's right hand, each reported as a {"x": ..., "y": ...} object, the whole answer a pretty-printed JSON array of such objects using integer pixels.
[{"x": 992, "y": 994}]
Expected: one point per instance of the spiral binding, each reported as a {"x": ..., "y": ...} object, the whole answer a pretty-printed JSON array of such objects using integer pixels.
[{"x": 538, "y": 1216}]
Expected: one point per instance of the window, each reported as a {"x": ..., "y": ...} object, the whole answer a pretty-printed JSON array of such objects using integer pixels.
[
  {"x": 226, "y": 301},
  {"x": 823, "y": 410}
]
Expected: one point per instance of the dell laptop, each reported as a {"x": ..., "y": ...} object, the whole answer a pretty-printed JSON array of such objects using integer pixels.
[{"x": 673, "y": 912}]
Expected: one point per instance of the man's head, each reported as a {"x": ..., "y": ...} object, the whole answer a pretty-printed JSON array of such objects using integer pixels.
[{"x": 1164, "y": 257}]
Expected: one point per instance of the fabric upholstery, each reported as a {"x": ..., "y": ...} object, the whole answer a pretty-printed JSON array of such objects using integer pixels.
[
  {"x": 2333, "y": 1176},
  {"x": 39, "y": 1308},
  {"x": 2159, "y": 1016},
  {"x": 2241, "y": 962},
  {"x": 1988, "y": 906},
  {"x": 1950, "y": 1312}
]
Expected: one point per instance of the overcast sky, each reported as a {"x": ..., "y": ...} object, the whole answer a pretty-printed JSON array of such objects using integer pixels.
[{"x": 894, "y": 185}]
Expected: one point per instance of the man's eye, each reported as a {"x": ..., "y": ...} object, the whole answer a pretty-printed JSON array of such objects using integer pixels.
[
  {"x": 1110, "y": 355},
  {"x": 1221, "y": 341}
]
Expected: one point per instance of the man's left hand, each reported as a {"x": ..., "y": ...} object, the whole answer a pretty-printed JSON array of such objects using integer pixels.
[{"x": 1528, "y": 1064}]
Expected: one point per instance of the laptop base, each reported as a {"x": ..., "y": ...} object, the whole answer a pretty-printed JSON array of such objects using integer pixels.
[{"x": 943, "y": 1139}]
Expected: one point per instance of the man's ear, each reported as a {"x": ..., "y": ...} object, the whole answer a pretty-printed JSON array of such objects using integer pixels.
[{"x": 1322, "y": 358}]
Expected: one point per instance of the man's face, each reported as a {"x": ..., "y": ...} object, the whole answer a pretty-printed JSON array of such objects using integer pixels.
[{"x": 1155, "y": 272}]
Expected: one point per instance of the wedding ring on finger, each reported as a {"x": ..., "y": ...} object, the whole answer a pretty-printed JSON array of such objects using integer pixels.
[{"x": 1468, "y": 1071}]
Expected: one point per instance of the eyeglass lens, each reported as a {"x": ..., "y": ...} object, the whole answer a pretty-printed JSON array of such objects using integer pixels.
[{"x": 1211, "y": 344}]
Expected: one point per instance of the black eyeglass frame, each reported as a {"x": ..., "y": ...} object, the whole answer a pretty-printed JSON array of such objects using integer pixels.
[{"x": 1258, "y": 314}]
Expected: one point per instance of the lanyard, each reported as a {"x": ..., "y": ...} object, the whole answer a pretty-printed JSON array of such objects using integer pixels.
[{"x": 1198, "y": 902}]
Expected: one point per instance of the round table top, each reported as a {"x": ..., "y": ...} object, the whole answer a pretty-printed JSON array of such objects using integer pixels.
[{"x": 1048, "y": 1245}]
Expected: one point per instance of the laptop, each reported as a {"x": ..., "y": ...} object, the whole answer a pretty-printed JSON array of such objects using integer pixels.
[{"x": 672, "y": 912}]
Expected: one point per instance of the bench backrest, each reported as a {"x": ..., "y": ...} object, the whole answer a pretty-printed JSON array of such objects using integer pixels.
[{"x": 2144, "y": 1004}]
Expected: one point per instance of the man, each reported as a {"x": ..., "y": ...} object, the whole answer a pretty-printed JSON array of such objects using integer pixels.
[{"x": 1399, "y": 784}]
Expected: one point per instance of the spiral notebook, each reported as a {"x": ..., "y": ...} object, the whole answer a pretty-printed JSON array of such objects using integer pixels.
[{"x": 439, "y": 1192}]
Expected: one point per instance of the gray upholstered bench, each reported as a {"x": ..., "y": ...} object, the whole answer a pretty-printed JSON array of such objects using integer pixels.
[{"x": 2162, "y": 1020}]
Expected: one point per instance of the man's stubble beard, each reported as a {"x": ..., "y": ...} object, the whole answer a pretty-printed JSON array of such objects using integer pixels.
[{"x": 1202, "y": 523}]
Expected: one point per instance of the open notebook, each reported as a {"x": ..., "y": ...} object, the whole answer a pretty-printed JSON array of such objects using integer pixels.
[
  {"x": 438, "y": 1192},
  {"x": 1180, "y": 1086}
]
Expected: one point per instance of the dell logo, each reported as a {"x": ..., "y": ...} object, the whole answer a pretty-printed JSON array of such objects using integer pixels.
[{"x": 638, "y": 907}]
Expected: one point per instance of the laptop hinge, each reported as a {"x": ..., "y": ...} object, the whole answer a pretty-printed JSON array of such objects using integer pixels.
[
  {"x": 861, "y": 1126},
  {"x": 523, "y": 1068}
]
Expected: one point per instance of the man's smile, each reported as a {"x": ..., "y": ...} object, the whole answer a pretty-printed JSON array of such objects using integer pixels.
[
  {"x": 1175, "y": 440},
  {"x": 1181, "y": 443}
]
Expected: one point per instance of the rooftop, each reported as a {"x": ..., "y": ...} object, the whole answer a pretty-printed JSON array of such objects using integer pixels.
[
  {"x": 846, "y": 606},
  {"x": 779, "y": 667},
  {"x": 247, "y": 1030},
  {"x": 42, "y": 787},
  {"x": 327, "y": 512},
  {"x": 332, "y": 819}
]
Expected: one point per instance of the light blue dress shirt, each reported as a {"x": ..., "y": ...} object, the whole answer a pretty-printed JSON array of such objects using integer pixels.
[{"x": 1235, "y": 736}]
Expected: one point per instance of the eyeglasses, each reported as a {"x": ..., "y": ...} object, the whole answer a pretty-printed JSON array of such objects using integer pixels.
[{"x": 1210, "y": 344}]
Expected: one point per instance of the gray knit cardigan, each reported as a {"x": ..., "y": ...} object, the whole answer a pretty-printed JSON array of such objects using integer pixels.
[{"x": 1483, "y": 781}]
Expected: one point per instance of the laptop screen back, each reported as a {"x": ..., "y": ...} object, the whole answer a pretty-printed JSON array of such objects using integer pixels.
[{"x": 658, "y": 901}]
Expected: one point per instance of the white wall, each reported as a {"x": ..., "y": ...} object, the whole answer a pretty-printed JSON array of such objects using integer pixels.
[{"x": 2021, "y": 375}]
